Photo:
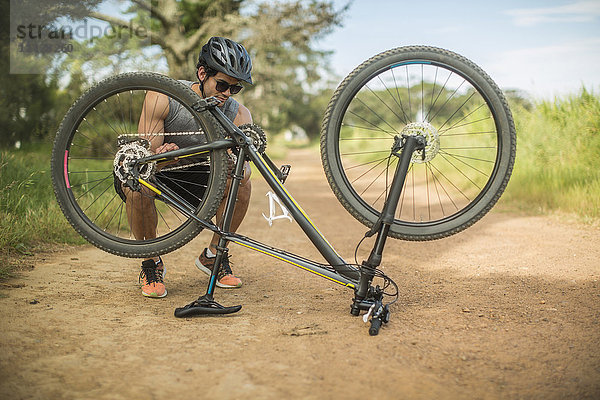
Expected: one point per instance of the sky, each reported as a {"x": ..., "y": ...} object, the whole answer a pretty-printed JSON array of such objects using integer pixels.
[{"x": 546, "y": 48}]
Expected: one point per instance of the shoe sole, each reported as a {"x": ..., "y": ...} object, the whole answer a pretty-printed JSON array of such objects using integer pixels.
[
  {"x": 208, "y": 272},
  {"x": 153, "y": 296}
]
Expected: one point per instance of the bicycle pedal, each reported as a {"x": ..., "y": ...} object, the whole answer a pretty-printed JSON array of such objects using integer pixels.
[{"x": 284, "y": 171}]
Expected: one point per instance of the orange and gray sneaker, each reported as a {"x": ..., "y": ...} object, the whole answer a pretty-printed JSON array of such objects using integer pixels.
[
  {"x": 151, "y": 278},
  {"x": 225, "y": 279}
]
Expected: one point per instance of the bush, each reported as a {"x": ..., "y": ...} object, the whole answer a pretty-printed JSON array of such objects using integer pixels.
[
  {"x": 558, "y": 152},
  {"x": 29, "y": 214}
]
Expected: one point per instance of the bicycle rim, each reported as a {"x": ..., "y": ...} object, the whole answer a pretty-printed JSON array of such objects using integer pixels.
[
  {"x": 441, "y": 96},
  {"x": 93, "y": 199}
]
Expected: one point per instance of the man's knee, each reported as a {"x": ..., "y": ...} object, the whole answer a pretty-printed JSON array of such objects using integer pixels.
[{"x": 244, "y": 192}]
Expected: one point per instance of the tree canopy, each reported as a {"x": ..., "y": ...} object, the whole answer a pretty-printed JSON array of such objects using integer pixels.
[
  {"x": 288, "y": 70},
  {"x": 290, "y": 73}
]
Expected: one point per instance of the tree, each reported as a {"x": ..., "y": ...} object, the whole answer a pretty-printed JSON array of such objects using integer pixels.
[
  {"x": 28, "y": 101},
  {"x": 179, "y": 27},
  {"x": 289, "y": 72},
  {"x": 280, "y": 37}
]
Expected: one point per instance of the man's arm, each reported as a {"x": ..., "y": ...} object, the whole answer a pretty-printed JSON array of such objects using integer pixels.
[
  {"x": 152, "y": 120},
  {"x": 243, "y": 116}
]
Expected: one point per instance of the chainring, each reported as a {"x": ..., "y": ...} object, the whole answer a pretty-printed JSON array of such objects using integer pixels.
[{"x": 258, "y": 136}]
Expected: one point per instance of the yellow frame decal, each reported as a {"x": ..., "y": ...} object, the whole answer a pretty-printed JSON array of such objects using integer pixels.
[
  {"x": 293, "y": 263},
  {"x": 149, "y": 186}
]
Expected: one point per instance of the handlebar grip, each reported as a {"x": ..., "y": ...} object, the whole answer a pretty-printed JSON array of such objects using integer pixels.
[{"x": 375, "y": 325}]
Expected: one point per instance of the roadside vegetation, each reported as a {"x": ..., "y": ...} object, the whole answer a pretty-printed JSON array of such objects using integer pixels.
[
  {"x": 558, "y": 150},
  {"x": 29, "y": 215}
]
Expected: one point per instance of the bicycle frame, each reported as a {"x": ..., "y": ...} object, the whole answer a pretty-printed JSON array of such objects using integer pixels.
[
  {"x": 338, "y": 270},
  {"x": 262, "y": 165}
]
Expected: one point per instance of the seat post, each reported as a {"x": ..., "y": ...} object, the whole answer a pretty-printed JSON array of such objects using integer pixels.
[{"x": 236, "y": 179}]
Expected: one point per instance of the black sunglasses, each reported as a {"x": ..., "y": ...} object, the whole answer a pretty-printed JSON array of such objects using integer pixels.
[{"x": 222, "y": 86}]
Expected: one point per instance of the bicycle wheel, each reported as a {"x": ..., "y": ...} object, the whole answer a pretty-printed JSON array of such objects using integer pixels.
[
  {"x": 471, "y": 141},
  {"x": 83, "y": 175}
]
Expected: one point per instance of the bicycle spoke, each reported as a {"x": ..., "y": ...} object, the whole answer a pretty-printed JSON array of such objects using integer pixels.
[
  {"x": 408, "y": 90},
  {"x": 92, "y": 158},
  {"x": 457, "y": 110},
  {"x": 428, "y": 168},
  {"x": 471, "y": 133},
  {"x": 388, "y": 107},
  {"x": 450, "y": 182},
  {"x": 163, "y": 219},
  {"x": 105, "y": 207},
  {"x": 469, "y": 158},
  {"x": 406, "y": 117},
  {"x": 92, "y": 188},
  {"x": 87, "y": 182},
  {"x": 90, "y": 171},
  {"x": 378, "y": 116},
  {"x": 97, "y": 198},
  {"x": 442, "y": 88},
  {"x": 461, "y": 172},
  {"x": 391, "y": 134},
  {"x": 367, "y": 163},
  {"x": 467, "y": 164},
  {"x": 374, "y": 180},
  {"x": 427, "y": 192},
  {"x": 365, "y": 152},
  {"x": 469, "y": 148},
  {"x": 447, "y": 100},
  {"x": 465, "y": 117},
  {"x": 367, "y": 171},
  {"x": 366, "y": 138}
]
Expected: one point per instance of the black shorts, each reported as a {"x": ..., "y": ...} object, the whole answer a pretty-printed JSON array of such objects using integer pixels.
[{"x": 189, "y": 183}]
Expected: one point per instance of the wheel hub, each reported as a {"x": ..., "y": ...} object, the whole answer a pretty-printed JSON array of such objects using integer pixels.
[{"x": 430, "y": 134}]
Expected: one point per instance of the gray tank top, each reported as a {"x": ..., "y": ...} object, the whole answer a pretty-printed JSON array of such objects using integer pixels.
[{"x": 180, "y": 120}]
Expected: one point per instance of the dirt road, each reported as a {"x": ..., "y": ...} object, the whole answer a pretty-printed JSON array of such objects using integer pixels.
[{"x": 508, "y": 309}]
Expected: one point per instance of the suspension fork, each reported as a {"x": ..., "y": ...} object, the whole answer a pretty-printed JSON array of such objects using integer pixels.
[{"x": 365, "y": 296}]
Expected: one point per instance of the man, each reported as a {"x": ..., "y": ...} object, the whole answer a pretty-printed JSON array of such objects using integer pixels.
[{"x": 222, "y": 64}]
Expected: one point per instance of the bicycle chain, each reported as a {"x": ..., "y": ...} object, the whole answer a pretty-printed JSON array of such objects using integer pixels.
[
  {"x": 153, "y": 134},
  {"x": 253, "y": 131}
]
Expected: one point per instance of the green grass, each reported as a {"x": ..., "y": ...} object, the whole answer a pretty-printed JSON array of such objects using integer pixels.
[
  {"x": 558, "y": 154},
  {"x": 29, "y": 214}
]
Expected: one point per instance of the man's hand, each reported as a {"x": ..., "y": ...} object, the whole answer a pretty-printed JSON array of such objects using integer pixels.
[{"x": 163, "y": 148}]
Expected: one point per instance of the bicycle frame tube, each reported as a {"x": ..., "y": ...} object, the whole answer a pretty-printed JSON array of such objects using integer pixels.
[
  {"x": 309, "y": 228},
  {"x": 336, "y": 262},
  {"x": 189, "y": 151},
  {"x": 312, "y": 232},
  {"x": 290, "y": 258},
  {"x": 318, "y": 269}
]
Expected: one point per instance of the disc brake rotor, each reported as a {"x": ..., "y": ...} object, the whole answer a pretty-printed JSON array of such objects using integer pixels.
[
  {"x": 430, "y": 134},
  {"x": 127, "y": 154}
]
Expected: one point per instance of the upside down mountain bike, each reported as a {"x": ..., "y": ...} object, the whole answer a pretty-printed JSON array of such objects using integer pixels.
[{"x": 417, "y": 143}]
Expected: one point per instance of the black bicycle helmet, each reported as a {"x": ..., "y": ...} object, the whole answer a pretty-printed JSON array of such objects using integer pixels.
[{"x": 226, "y": 56}]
